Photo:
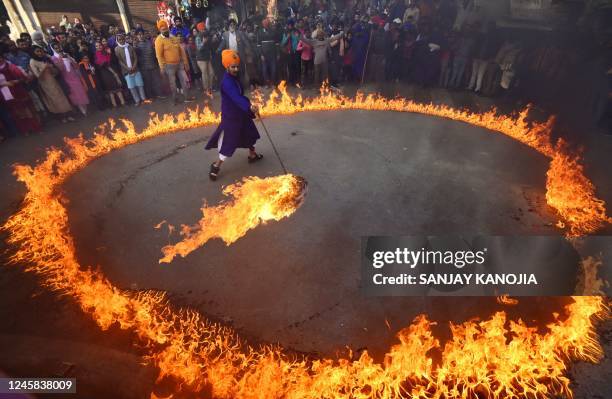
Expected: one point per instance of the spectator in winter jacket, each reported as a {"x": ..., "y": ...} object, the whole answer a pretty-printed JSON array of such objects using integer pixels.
[
  {"x": 320, "y": 47},
  {"x": 484, "y": 54},
  {"x": 204, "y": 57},
  {"x": 234, "y": 39},
  {"x": 128, "y": 61},
  {"x": 147, "y": 63},
  {"x": 172, "y": 60},
  {"x": 267, "y": 41}
]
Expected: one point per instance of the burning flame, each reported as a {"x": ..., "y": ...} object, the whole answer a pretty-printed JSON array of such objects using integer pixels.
[
  {"x": 589, "y": 282},
  {"x": 506, "y": 300},
  {"x": 254, "y": 201},
  {"x": 271, "y": 9},
  {"x": 493, "y": 358}
]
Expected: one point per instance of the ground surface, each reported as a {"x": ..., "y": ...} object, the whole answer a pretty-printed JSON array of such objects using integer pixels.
[
  {"x": 369, "y": 173},
  {"x": 293, "y": 281}
]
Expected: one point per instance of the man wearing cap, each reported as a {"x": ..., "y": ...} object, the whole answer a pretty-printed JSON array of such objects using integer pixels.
[
  {"x": 237, "y": 129},
  {"x": 172, "y": 59}
]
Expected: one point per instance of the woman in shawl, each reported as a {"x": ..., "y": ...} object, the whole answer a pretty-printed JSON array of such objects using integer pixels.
[
  {"x": 15, "y": 98},
  {"x": 72, "y": 77},
  {"x": 111, "y": 82},
  {"x": 90, "y": 82},
  {"x": 51, "y": 92}
]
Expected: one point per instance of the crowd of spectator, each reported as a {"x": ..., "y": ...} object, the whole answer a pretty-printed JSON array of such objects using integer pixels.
[{"x": 77, "y": 68}]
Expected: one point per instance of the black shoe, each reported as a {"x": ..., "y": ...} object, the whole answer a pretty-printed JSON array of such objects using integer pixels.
[
  {"x": 255, "y": 158},
  {"x": 214, "y": 172}
]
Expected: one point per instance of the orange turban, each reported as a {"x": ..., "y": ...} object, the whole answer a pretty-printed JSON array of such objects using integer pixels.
[
  {"x": 162, "y": 24},
  {"x": 229, "y": 57},
  {"x": 201, "y": 27}
]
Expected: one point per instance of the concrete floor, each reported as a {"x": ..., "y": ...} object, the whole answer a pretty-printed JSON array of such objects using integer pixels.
[
  {"x": 369, "y": 173},
  {"x": 295, "y": 281}
]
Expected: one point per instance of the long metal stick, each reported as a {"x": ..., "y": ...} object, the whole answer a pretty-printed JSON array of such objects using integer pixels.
[
  {"x": 272, "y": 142},
  {"x": 365, "y": 64}
]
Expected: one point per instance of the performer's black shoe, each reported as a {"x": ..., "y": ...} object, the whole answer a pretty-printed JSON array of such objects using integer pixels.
[
  {"x": 256, "y": 158},
  {"x": 214, "y": 172}
]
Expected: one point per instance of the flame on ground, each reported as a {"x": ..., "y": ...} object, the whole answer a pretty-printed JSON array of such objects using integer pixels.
[
  {"x": 254, "y": 201},
  {"x": 589, "y": 281},
  {"x": 507, "y": 359},
  {"x": 507, "y": 300}
]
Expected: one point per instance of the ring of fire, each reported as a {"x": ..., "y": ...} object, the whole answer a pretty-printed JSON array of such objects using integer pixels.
[{"x": 508, "y": 359}]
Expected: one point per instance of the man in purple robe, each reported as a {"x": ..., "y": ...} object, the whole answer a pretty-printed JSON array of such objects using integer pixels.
[
  {"x": 237, "y": 129},
  {"x": 359, "y": 46}
]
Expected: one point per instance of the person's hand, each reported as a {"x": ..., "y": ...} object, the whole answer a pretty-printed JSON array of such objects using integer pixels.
[
  {"x": 255, "y": 109},
  {"x": 263, "y": 58}
]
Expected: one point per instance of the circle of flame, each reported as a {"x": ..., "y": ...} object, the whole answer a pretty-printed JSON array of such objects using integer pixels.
[{"x": 494, "y": 358}]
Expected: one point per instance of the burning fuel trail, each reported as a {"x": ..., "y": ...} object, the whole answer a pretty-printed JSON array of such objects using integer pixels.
[
  {"x": 494, "y": 358},
  {"x": 254, "y": 201}
]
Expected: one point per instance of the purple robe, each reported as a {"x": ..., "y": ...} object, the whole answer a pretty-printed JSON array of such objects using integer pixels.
[
  {"x": 237, "y": 124},
  {"x": 359, "y": 47}
]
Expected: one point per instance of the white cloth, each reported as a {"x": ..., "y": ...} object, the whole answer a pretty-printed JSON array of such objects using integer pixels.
[
  {"x": 6, "y": 91},
  {"x": 67, "y": 63},
  {"x": 233, "y": 42},
  {"x": 128, "y": 59},
  {"x": 412, "y": 12},
  {"x": 219, "y": 144}
]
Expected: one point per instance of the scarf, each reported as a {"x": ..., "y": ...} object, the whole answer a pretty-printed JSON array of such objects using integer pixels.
[
  {"x": 128, "y": 59},
  {"x": 102, "y": 57},
  {"x": 5, "y": 90},
  {"x": 89, "y": 71},
  {"x": 44, "y": 58}
]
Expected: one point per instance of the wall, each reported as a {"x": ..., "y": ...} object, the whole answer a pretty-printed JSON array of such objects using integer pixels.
[
  {"x": 142, "y": 11},
  {"x": 99, "y": 12}
]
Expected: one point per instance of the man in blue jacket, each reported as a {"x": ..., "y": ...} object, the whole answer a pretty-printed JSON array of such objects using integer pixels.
[{"x": 237, "y": 129}]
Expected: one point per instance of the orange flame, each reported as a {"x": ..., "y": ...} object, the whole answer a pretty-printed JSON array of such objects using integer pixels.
[
  {"x": 507, "y": 359},
  {"x": 506, "y": 300},
  {"x": 254, "y": 201},
  {"x": 589, "y": 282},
  {"x": 271, "y": 8}
]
